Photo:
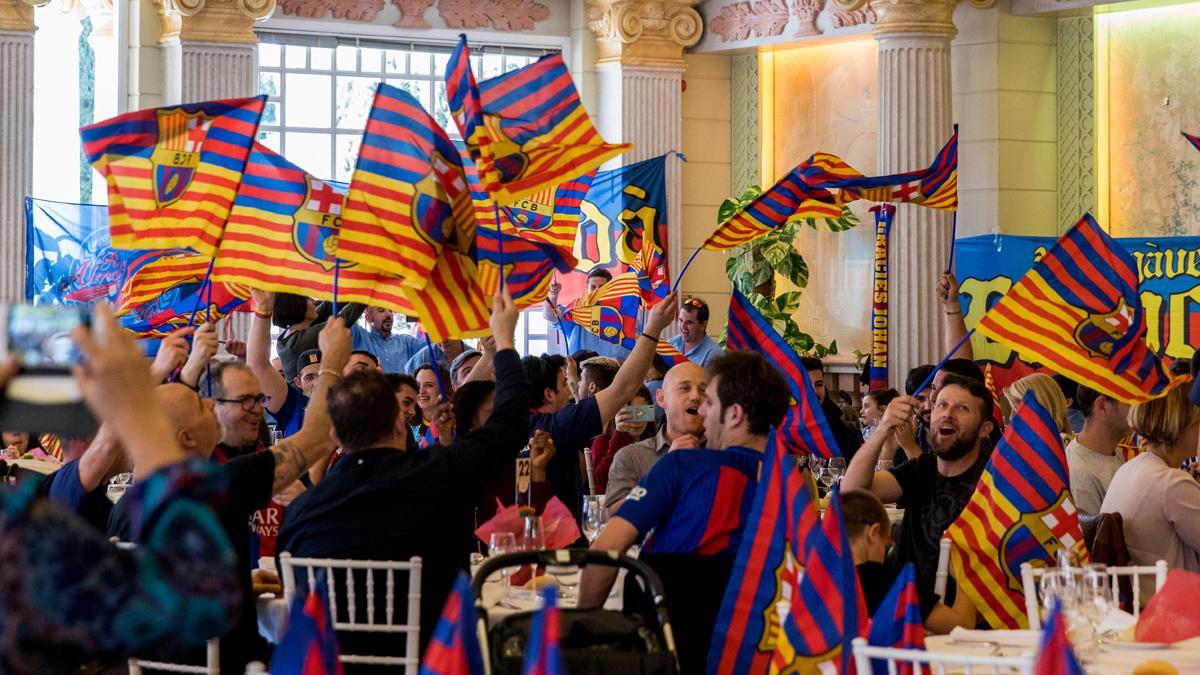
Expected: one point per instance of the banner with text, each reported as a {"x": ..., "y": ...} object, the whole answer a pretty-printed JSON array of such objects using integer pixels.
[{"x": 1168, "y": 270}]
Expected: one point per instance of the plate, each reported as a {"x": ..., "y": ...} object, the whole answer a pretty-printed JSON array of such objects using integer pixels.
[{"x": 1137, "y": 645}]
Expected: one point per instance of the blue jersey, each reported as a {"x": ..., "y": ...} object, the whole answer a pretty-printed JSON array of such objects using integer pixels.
[
  {"x": 290, "y": 417},
  {"x": 695, "y": 501}
]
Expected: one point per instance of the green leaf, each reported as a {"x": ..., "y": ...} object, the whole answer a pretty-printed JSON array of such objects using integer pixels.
[
  {"x": 728, "y": 208},
  {"x": 796, "y": 270},
  {"x": 787, "y": 303},
  {"x": 775, "y": 253}
]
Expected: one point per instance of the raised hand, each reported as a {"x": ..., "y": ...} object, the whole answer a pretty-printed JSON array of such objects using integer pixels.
[
  {"x": 335, "y": 344},
  {"x": 172, "y": 354},
  {"x": 661, "y": 316},
  {"x": 204, "y": 347},
  {"x": 504, "y": 319}
]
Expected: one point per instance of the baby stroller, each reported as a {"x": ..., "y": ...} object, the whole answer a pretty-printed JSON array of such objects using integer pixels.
[{"x": 594, "y": 641}]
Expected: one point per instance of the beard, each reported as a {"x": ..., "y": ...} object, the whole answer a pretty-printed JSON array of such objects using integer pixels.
[{"x": 956, "y": 447}]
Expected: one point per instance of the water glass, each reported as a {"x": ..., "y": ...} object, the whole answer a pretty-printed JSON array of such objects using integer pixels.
[
  {"x": 118, "y": 485},
  {"x": 500, "y": 543},
  {"x": 836, "y": 468},
  {"x": 595, "y": 517}
]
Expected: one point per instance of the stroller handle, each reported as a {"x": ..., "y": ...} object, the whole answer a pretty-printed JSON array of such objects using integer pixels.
[{"x": 577, "y": 557}]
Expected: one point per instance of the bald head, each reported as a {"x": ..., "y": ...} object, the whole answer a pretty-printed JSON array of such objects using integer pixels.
[
  {"x": 680, "y": 398},
  {"x": 191, "y": 417}
]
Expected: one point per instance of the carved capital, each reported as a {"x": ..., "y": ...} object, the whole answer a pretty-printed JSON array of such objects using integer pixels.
[
  {"x": 230, "y": 21},
  {"x": 17, "y": 15},
  {"x": 915, "y": 18},
  {"x": 643, "y": 32}
]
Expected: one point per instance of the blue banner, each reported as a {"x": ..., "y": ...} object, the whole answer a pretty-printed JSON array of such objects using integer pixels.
[{"x": 1168, "y": 271}]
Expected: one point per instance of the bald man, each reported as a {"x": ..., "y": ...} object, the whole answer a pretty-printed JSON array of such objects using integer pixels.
[
  {"x": 194, "y": 419},
  {"x": 680, "y": 397}
]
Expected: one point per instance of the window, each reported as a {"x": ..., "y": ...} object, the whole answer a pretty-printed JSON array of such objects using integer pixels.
[{"x": 319, "y": 92}]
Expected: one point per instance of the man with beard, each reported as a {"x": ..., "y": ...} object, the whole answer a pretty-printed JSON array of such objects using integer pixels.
[
  {"x": 933, "y": 488},
  {"x": 392, "y": 350},
  {"x": 681, "y": 395},
  {"x": 847, "y": 437}
]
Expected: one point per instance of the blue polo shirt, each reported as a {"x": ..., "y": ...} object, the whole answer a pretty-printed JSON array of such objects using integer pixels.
[
  {"x": 701, "y": 353},
  {"x": 422, "y": 357},
  {"x": 572, "y": 429},
  {"x": 579, "y": 338},
  {"x": 393, "y": 351},
  {"x": 695, "y": 501},
  {"x": 290, "y": 417}
]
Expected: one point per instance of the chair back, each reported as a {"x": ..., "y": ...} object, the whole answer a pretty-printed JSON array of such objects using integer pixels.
[
  {"x": 358, "y": 607},
  {"x": 934, "y": 662},
  {"x": 943, "y": 569},
  {"x": 1126, "y": 580},
  {"x": 1089, "y": 525},
  {"x": 1108, "y": 544}
]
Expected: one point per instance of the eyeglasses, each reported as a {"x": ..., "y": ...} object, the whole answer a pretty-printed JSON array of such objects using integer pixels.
[{"x": 248, "y": 403}]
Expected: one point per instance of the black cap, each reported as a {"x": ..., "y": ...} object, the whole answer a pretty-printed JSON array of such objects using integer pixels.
[{"x": 308, "y": 358}]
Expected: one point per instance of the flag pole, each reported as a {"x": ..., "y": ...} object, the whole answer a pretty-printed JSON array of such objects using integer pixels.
[
  {"x": 337, "y": 267},
  {"x": 200, "y": 293},
  {"x": 686, "y": 265},
  {"x": 499, "y": 241},
  {"x": 953, "y": 236},
  {"x": 941, "y": 363}
]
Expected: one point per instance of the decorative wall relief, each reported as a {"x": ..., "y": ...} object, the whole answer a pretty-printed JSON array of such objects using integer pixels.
[
  {"x": 752, "y": 18},
  {"x": 845, "y": 19},
  {"x": 346, "y": 10},
  {"x": 1076, "y": 61},
  {"x": 498, "y": 14},
  {"x": 412, "y": 13},
  {"x": 806, "y": 11}
]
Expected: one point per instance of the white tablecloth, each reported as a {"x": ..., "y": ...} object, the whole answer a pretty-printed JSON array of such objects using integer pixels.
[{"x": 1113, "y": 659}]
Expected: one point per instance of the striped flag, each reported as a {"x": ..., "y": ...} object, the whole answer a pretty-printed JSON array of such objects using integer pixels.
[
  {"x": 172, "y": 172},
  {"x": 897, "y": 622},
  {"x": 805, "y": 429},
  {"x": 156, "y": 277},
  {"x": 309, "y": 647},
  {"x": 935, "y": 187},
  {"x": 551, "y": 216},
  {"x": 611, "y": 312},
  {"x": 527, "y": 129},
  {"x": 766, "y": 568},
  {"x": 163, "y": 294},
  {"x": 667, "y": 351},
  {"x": 789, "y": 199},
  {"x": 408, "y": 197},
  {"x": 543, "y": 654},
  {"x": 1128, "y": 447},
  {"x": 1021, "y": 512},
  {"x": 282, "y": 236},
  {"x": 454, "y": 647},
  {"x": 828, "y": 611},
  {"x": 1055, "y": 655},
  {"x": 1077, "y": 311},
  {"x": 990, "y": 382}
]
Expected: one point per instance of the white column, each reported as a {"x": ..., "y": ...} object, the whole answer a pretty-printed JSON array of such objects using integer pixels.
[
  {"x": 16, "y": 141},
  {"x": 214, "y": 71},
  {"x": 639, "y": 49},
  {"x": 915, "y": 120}
]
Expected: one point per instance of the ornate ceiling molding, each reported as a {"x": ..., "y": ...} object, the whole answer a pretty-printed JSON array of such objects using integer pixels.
[
  {"x": 412, "y": 13},
  {"x": 644, "y": 32},
  {"x": 230, "y": 21},
  {"x": 506, "y": 15},
  {"x": 17, "y": 15},
  {"x": 896, "y": 18}
]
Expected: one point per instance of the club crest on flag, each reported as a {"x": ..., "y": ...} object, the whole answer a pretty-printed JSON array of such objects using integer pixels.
[
  {"x": 315, "y": 224},
  {"x": 1105, "y": 334},
  {"x": 176, "y": 154},
  {"x": 786, "y": 574},
  {"x": 431, "y": 207},
  {"x": 1038, "y": 536},
  {"x": 510, "y": 160}
]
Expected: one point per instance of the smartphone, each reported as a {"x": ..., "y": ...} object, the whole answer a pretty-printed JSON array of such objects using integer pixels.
[
  {"x": 40, "y": 337},
  {"x": 639, "y": 413}
]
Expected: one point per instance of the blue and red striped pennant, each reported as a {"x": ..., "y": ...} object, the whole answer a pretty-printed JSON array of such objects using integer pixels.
[
  {"x": 309, "y": 647},
  {"x": 1055, "y": 656},
  {"x": 897, "y": 622},
  {"x": 1194, "y": 140},
  {"x": 454, "y": 647},
  {"x": 805, "y": 429},
  {"x": 543, "y": 654}
]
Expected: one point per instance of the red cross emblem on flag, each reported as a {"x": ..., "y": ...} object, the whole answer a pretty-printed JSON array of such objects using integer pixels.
[
  {"x": 907, "y": 192},
  {"x": 325, "y": 199}
]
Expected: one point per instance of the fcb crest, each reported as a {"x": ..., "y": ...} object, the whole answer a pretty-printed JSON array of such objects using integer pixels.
[
  {"x": 432, "y": 211},
  {"x": 1037, "y": 537},
  {"x": 507, "y": 156},
  {"x": 176, "y": 155},
  {"x": 1103, "y": 335},
  {"x": 316, "y": 222}
]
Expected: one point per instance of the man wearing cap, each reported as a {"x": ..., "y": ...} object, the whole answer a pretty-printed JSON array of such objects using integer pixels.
[
  {"x": 463, "y": 364},
  {"x": 693, "y": 341},
  {"x": 392, "y": 350}
]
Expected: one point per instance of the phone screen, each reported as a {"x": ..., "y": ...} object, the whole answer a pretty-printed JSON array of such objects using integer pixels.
[
  {"x": 640, "y": 413},
  {"x": 40, "y": 336}
]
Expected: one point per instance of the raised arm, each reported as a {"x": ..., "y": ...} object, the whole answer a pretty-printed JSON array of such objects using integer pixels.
[
  {"x": 485, "y": 368},
  {"x": 258, "y": 352},
  {"x": 633, "y": 372},
  {"x": 861, "y": 473},
  {"x": 294, "y": 454},
  {"x": 953, "y": 323},
  {"x": 204, "y": 347},
  {"x": 550, "y": 306},
  {"x": 100, "y": 458}
]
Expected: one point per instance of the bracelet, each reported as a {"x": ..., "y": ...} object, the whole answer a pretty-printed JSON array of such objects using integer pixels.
[
  {"x": 649, "y": 337},
  {"x": 327, "y": 371},
  {"x": 261, "y": 314},
  {"x": 959, "y": 312}
]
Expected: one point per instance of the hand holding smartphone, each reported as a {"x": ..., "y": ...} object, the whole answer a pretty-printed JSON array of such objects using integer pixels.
[{"x": 637, "y": 414}]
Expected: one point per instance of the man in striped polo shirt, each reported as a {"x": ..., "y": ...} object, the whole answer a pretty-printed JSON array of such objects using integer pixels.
[{"x": 697, "y": 501}]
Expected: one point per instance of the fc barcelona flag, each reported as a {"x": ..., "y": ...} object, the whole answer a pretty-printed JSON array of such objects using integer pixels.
[
  {"x": 897, "y": 622},
  {"x": 408, "y": 197},
  {"x": 1055, "y": 655},
  {"x": 172, "y": 173},
  {"x": 551, "y": 216},
  {"x": 935, "y": 187},
  {"x": 309, "y": 647},
  {"x": 611, "y": 312},
  {"x": 805, "y": 429},
  {"x": 768, "y": 564},
  {"x": 669, "y": 354},
  {"x": 791, "y": 198},
  {"x": 543, "y": 653},
  {"x": 454, "y": 647},
  {"x": 827, "y": 607},
  {"x": 1078, "y": 312},
  {"x": 282, "y": 236},
  {"x": 163, "y": 294},
  {"x": 527, "y": 129},
  {"x": 1021, "y": 512}
]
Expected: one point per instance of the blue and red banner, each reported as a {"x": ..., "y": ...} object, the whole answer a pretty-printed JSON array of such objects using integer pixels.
[
  {"x": 454, "y": 647},
  {"x": 897, "y": 623},
  {"x": 309, "y": 647},
  {"x": 884, "y": 214}
]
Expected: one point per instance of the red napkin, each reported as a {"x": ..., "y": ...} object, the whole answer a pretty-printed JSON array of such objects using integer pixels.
[
  {"x": 558, "y": 525},
  {"x": 1171, "y": 615}
]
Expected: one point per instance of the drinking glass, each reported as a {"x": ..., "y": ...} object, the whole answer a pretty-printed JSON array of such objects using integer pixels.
[
  {"x": 836, "y": 468},
  {"x": 824, "y": 473},
  {"x": 595, "y": 517},
  {"x": 117, "y": 486},
  {"x": 1096, "y": 595},
  {"x": 500, "y": 543}
]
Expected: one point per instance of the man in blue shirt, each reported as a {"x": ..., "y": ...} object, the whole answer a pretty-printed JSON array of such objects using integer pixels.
[
  {"x": 444, "y": 353},
  {"x": 693, "y": 341},
  {"x": 392, "y": 349},
  {"x": 696, "y": 501},
  {"x": 577, "y": 337}
]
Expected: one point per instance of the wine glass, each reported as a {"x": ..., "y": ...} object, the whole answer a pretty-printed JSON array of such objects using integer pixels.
[
  {"x": 824, "y": 473},
  {"x": 1096, "y": 595},
  {"x": 836, "y": 468},
  {"x": 500, "y": 543},
  {"x": 118, "y": 485},
  {"x": 595, "y": 517}
]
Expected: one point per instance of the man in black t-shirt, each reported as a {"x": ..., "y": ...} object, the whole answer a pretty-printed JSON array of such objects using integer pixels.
[{"x": 934, "y": 488}]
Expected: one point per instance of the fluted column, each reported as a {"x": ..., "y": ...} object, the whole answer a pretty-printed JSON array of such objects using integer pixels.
[
  {"x": 915, "y": 120},
  {"x": 16, "y": 141},
  {"x": 216, "y": 56},
  {"x": 639, "y": 65}
]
